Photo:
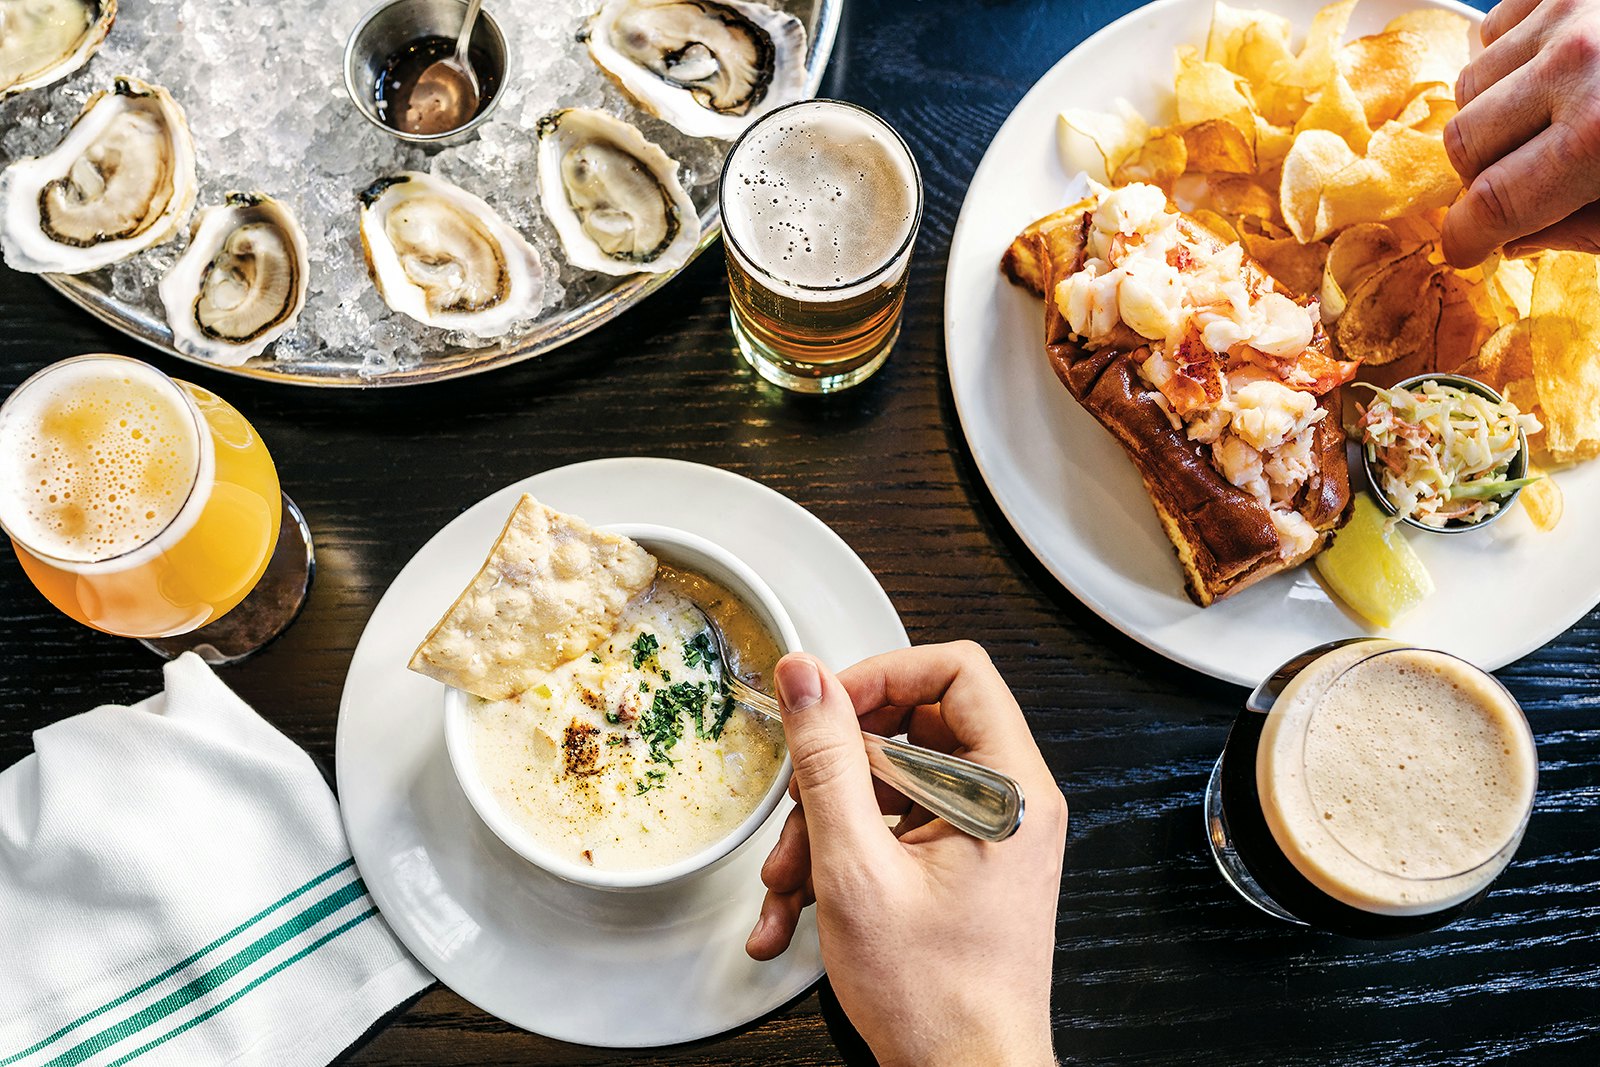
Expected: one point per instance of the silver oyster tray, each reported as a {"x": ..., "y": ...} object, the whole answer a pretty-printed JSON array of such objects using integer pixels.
[{"x": 341, "y": 370}]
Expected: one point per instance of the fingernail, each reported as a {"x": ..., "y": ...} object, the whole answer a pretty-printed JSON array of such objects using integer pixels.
[
  {"x": 755, "y": 932},
  {"x": 799, "y": 683}
]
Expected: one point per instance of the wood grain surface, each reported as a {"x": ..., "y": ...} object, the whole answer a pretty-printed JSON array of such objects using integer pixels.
[{"x": 1156, "y": 961}]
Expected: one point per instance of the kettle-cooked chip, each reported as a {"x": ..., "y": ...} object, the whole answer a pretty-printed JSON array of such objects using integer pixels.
[
  {"x": 552, "y": 588},
  {"x": 1393, "y": 315},
  {"x": 1566, "y": 336}
]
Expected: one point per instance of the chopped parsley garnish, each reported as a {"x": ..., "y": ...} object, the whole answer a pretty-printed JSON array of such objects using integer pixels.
[
  {"x": 699, "y": 649},
  {"x": 615, "y": 739},
  {"x": 653, "y": 779},
  {"x": 666, "y": 676},
  {"x": 595, "y": 658},
  {"x": 613, "y": 718},
  {"x": 662, "y": 725},
  {"x": 645, "y": 647},
  {"x": 708, "y": 706}
]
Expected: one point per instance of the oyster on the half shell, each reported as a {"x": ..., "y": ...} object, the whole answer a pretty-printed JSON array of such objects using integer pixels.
[
  {"x": 613, "y": 197},
  {"x": 121, "y": 181},
  {"x": 42, "y": 41},
  {"x": 442, "y": 256},
  {"x": 241, "y": 282},
  {"x": 709, "y": 67}
]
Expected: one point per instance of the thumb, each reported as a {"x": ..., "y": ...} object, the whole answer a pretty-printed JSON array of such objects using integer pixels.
[
  {"x": 1578, "y": 232},
  {"x": 830, "y": 762}
]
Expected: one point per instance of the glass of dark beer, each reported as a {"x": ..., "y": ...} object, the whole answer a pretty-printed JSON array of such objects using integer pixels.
[
  {"x": 820, "y": 205},
  {"x": 1380, "y": 797}
]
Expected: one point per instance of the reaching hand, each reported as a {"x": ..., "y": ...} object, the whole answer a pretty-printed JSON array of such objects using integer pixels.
[
  {"x": 1527, "y": 139},
  {"x": 939, "y": 946}
]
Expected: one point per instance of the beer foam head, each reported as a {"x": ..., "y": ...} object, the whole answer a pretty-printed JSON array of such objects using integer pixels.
[
  {"x": 820, "y": 196},
  {"x": 1401, "y": 784},
  {"x": 99, "y": 456}
]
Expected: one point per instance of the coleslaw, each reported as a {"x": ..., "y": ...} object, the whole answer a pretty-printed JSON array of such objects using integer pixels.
[{"x": 1442, "y": 453}]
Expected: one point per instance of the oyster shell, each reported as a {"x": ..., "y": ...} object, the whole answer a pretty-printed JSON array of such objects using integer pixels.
[
  {"x": 121, "y": 181},
  {"x": 613, "y": 197},
  {"x": 241, "y": 282},
  {"x": 442, "y": 256},
  {"x": 42, "y": 41},
  {"x": 709, "y": 67}
]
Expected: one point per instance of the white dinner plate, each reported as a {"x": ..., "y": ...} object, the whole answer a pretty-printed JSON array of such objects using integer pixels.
[
  {"x": 1077, "y": 501},
  {"x": 619, "y": 970}
]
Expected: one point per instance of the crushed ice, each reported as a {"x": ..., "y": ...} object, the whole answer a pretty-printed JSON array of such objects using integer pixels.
[{"x": 263, "y": 87}]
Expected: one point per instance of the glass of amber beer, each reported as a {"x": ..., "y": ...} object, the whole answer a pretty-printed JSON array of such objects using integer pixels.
[
  {"x": 149, "y": 508},
  {"x": 820, "y": 204},
  {"x": 1383, "y": 793}
]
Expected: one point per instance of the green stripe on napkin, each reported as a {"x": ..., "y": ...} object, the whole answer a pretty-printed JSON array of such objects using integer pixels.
[
  {"x": 181, "y": 964},
  {"x": 214, "y": 1009}
]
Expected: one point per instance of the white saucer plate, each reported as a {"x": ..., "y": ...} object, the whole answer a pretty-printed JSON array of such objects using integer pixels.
[
  {"x": 620, "y": 970},
  {"x": 1076, "y": 500}
]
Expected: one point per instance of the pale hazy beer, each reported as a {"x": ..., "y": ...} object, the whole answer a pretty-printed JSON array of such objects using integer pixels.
[
  {"x": 137, "y": 505},
  {"x": 820, "y": 205},
  {"x": 1386, "y": 790}
]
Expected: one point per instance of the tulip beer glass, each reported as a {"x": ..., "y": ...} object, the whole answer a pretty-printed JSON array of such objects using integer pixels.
[
  {"x": 149, "y": 508},
  {"x": 820, "y": 204},
  {"x": 1383, "y": 793}
]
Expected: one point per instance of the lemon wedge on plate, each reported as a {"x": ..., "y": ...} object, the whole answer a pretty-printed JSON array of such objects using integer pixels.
[{"x": 1375, "y": 572}]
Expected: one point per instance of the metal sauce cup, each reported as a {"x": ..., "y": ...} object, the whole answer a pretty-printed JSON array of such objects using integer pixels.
[
  {"x": 386, "y": 29},
  {"x": 1517, "y": 469}
]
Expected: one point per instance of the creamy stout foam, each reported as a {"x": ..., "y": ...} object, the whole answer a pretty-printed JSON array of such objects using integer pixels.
[
  {"x": 99, "y": 456},
  {"x": 1397, "y": 782},
  {"x": 821, "y": 196}
]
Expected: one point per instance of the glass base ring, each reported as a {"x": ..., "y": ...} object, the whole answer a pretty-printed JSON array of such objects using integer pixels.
[{"x": 266, "y": 612}]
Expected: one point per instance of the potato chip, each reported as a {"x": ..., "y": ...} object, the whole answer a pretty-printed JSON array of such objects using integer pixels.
[
  {"x": 1215, "y": 223},
  {"x": 1393, "y": 315},
  {"x": 1542, "y": 500},
  {"x": 1235, "y": 195},
  {"x": 1272, "y": 143},
  {"x": 1297, "y": 267},
  {"x": 1382, "y": 69},
  {"x": 1510, "y": 286},
  {"x": 1159, "y": 161},
  {"x": 1212, "y": 91},
  {"x": 1449, "y": 42},
  {"x": 1116, "y": 136},
  {"x": 1352, "y": 257},
  {"x": 1233, "y": 29},
  {"x": 1462, "y": 328},
  {"x": 1404, "y": 172},
  {"x": 1317, "y": 156},
  {"x": 1218, "y": 146},
  {"x": 1338, "y": 110},
  {"x": 1315, "y": 64},
  {"x": 1430, "y": 109},
  {"x": 1566, "y": 339},
  {"x": 1506, "y": 356}
]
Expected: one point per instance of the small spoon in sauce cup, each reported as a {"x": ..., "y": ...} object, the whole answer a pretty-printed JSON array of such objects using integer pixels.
[{"x": 973, "y": 798}]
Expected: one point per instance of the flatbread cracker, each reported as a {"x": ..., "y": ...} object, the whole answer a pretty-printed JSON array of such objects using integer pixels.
[{"x": 552, "y": 588}]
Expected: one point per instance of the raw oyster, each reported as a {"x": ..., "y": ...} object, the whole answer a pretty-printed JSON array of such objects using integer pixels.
[
  {"x": 709, "y": 67},
  {"x": 442, "y": 256},
  {"x": 241, "y": 282},
  {"x": 42, "y": 41},
  {"x": 121, "y": 181},
  {"x": 613, "y": 197}
]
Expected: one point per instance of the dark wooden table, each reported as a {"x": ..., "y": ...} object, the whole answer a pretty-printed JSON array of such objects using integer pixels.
[{"x": 1156, "y": 962}]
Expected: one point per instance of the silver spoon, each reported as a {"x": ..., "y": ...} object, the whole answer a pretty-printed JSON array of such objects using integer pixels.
[
  {"x": 1263, "y": 696},
  {"x": 974, "y": 799},
  {"x": 446, "y": 93}
]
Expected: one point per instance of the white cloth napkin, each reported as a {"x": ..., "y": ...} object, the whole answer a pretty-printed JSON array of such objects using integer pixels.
[{"x": 175, "y": 888}]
